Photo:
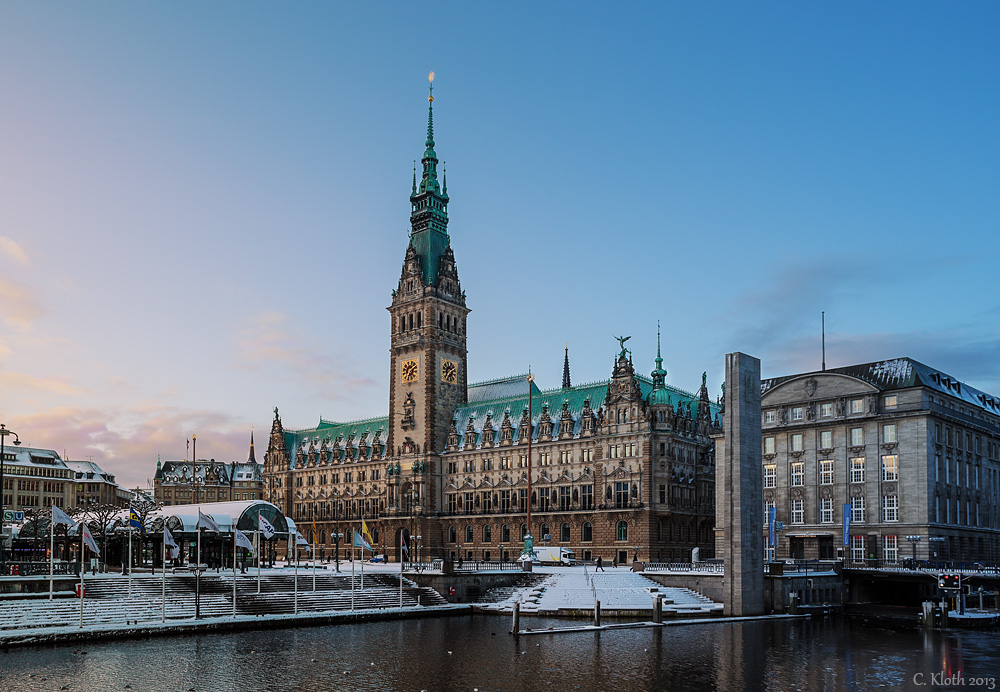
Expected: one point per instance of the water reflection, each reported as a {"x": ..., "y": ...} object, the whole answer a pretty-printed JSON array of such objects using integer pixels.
[{"x": 475, "y": 652}]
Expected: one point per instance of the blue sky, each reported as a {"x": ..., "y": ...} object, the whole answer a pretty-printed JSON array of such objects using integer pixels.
[{"x": 205, "y": 207}]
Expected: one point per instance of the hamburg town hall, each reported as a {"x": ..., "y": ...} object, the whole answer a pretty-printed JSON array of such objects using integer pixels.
[{"x": 622, "y": 468}]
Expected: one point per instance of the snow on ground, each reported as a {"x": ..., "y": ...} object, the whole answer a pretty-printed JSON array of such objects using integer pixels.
[{"x": 617, "y": 589}]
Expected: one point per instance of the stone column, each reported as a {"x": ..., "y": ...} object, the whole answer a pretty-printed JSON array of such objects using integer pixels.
[{"x": 738, "y": 483}]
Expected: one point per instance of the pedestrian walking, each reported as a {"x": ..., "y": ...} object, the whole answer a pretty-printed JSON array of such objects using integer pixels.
[{"x": 600, "y": 564}]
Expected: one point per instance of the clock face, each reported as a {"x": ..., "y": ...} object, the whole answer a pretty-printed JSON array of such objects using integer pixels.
[
  {"x": 410, "y": 370},
  {"x": 449, "y": 372}
]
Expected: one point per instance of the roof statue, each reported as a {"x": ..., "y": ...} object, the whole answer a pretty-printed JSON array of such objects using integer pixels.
[{"x": 621, "y": 342}]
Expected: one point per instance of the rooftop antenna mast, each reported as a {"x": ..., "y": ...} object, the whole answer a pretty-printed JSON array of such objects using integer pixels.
[{"x": 823, "y": 321}]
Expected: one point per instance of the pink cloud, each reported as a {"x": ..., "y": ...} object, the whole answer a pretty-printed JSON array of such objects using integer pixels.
[{"x": 129, "y": 450}]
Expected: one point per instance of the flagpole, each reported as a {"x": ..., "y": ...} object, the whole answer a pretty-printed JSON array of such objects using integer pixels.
[
  {"x": 83, "y": 555},
  {"x": 296, "y": 573},
  {"x": 257, "y": 554},
  {"x": 197, "y": 573},
  {"x": 402, "y": 546},
  {"x": 52, "y": 548},
  {"x": 234, "y": 570},
  {"x": 352, "y": 569},
  {"x": 163, "y": 592},
  {"x": 314, "y": 560},
  {"x": 130, "y": 552}
]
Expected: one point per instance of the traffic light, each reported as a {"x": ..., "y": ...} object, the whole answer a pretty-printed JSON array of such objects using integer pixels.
[{"x": 950, "y": 581}]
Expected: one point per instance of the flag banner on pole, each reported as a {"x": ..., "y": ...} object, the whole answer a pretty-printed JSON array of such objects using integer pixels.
[
  {"x": 300, "y": 539},
  {"x": 846, "y": 511},
  {"x": 242, "y": 541},
  {"x": 315, "y": 533},
  {"x": 360, "y": 542},
  {"x": 168, "y": 540},
  {"x": 402, "y": 544},
  {"x": 364, "y": 532},
  {"x": 60, "y": 517},
  {"x": 266, "y": 528},
  {"x": 134, "y": 521},
  {"x": 207, "y": 522},
  {"x": 88, "y": 540}
]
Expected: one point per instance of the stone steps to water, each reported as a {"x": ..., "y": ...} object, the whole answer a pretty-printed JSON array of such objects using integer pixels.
[{"x": 108, "y": 602}]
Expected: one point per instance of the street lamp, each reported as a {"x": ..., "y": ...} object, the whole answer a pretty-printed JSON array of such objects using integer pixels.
[
  {"x": 913, "y": 544},
  {"x": 336, "y": 547},
  {"x": 4, "y": 432}
]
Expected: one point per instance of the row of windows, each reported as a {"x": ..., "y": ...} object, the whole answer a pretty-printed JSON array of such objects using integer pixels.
[
  {"x": 564, "y": 497},
  {"x": 826, "y": 409},
  {"x": 796, "y": 510},
  {"x": 507, "y": 462},
  {"x": 797, "y": 471},
  {"x": 890, "y": 548},
  {"x": 586, "y": 532},
  {"x": 796, "y": 441}
]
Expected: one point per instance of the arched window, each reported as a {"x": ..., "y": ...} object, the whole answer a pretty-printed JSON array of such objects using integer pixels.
[
  {"x": 452, "y": 534},
  {"x": 621, "y": 531},
  {"x": 544, "y": 531},
  {"x": 564, "y": 533},
  {"x": 588, "y": 531},
  {"x": 505, "y": 533},
  {"x": 419, "y": 314},
  {"x": 469, "y": 536},
  {"x": 524, "y": 531},
  {"x": 487, "y": 534}
]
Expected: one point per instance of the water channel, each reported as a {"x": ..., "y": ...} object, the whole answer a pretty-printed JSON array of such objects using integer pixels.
[{"x": 469, "y": 653}]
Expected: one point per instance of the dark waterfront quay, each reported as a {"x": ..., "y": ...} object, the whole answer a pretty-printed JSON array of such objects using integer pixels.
[{"x": 476, "y": 653}]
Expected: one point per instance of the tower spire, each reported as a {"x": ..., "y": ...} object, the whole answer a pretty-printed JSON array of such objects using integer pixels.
[
  {"x": 252, "y": 459},
  {"x": 659, "y": 374},
  {"x": 566, "y": 384}
]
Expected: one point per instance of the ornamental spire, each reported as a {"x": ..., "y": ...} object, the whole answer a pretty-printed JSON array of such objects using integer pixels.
[
  {"x": 659, "y": 374},
  {"x": 429, "y": 181},
  {"x": 566, "y": 384}
]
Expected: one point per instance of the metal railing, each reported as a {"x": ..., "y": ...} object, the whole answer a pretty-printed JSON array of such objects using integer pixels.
[
  {"x": 485, "y": 565},
  {"x": 911, "y": 565},
  {"x": 709, "y": 567},
  {"x": 29, "y": 569}
]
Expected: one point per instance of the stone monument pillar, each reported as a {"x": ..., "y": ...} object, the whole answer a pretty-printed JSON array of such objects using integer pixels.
[{"x": 739, "y": 512}]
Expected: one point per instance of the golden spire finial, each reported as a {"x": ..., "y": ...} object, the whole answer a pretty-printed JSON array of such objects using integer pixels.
[{"x": 430, "y": 78}]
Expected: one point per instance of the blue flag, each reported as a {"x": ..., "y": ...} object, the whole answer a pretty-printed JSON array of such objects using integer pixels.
[
  {"x": 360, "y": 542},
  {"x": 134, "y": 521}
]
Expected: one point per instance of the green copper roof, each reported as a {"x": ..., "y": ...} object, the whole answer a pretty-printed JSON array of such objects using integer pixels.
[
  {"x": 329, "y": 431},
  {"x": 429, "y": 210}
]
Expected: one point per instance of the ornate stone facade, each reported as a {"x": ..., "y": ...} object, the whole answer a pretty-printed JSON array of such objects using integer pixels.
[{"x": 620, "y": 468}]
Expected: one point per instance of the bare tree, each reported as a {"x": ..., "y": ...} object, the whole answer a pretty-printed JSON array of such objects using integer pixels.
[{"x": 100, "y": 518}]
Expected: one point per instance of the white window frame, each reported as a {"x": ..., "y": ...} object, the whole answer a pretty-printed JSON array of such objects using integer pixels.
[
  {"x": 825, "y": 410},
  {"x": 857, "y": 437},
  {"x": 890, "y": 473},
  {"x": 797, "y": 511},
  {"x": 857, "y": 470},
  {"x": 797, "y": 474},
  {"x": 770, "y": 416},
  {"x": 826, "y": 439},
  {"x": 890, "y": 401},
  {"x": 768, "y": 504},
  {"x": 890, "y": 508},
  {"x": 856, "y": 406},
  {"x": 797, "y": 442},
  {"x": 797, "y": 413},
  {"x": 889, "y": 433},
  {"x": 770, "y": 475},
  {"x": 857, "y": 548},
  {"x": 769, "y": 445},
  {"x": 890, "y": 548},
  {"x": 826, "y": 472},
  {"x": 858, "y": 509},
  {"x": 826, "y": 510}
]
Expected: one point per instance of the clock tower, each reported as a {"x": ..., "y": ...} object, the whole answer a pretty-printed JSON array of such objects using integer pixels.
[{"x": 428, "y": 377}]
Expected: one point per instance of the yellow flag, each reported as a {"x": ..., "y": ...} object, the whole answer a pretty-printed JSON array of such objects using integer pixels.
[
  {"x": 314, "y": 530},
  {"x": 364, "y": 532}
]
